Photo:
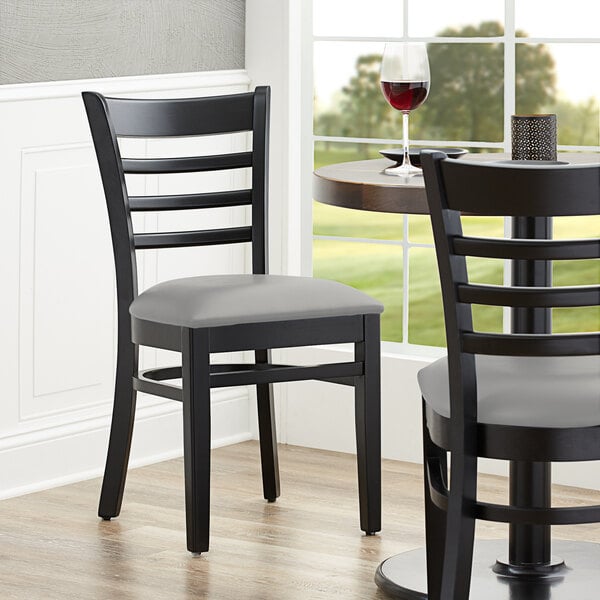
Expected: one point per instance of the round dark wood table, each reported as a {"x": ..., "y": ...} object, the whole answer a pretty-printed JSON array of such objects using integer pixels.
[{"x": 362, "y": 185}]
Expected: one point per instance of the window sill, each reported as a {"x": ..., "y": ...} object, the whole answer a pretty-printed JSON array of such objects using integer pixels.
[{"x": 396, "y": 350}]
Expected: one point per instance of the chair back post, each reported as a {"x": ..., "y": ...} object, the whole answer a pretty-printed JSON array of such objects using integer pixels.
[
  {"x": 457, "y": 315},
  {"x": 115, "y": 191},
  {"x": 260, "y": 179}
]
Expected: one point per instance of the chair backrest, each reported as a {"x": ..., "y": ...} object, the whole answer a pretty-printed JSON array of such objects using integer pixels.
[
  {"x": 112, "y": 118},
  {"x": 456, "y": 188}
]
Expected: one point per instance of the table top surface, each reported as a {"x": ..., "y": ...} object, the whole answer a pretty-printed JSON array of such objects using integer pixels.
[{"x": 362, "y": 184}]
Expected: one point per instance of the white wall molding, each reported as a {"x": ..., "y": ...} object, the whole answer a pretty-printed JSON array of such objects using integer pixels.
[{"x": 57, "y": 310}]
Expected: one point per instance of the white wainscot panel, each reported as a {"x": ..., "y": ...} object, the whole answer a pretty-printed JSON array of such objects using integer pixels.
[
  {"x": 66, "y": 293},
  {"x": 57, "y": 312}
]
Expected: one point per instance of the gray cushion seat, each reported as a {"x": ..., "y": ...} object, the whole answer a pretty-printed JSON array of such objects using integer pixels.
[
  {"x": 216, "y": 300},
  {"x": 561, "y": 391}
]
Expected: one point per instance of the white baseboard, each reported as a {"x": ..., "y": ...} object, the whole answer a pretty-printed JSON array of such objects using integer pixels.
[{"x": 66, "y": 454}]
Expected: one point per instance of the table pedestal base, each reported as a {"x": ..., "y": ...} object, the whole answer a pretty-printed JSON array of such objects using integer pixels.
[{"x": 404, "y": 575}]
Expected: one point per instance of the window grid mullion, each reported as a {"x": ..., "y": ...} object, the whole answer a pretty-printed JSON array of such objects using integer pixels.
[
  {"x": 442, "y": 143},
  {"x": 453, "y": 143},
  {"x": 456, "y": 40},
  {"x": 405, "y": 278},
  {"x": 509, "y": 69}
]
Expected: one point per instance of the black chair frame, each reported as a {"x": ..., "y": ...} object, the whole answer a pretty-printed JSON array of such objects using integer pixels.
[
  {"x": 111, "y": 118},
  {"x": 455, "y": 188}
]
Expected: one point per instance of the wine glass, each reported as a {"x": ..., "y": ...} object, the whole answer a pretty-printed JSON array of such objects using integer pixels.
[{"x": 405, "y": 85}]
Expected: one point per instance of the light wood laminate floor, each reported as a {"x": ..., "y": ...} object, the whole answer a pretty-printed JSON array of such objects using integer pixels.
[{"x": 305, "y": 546}]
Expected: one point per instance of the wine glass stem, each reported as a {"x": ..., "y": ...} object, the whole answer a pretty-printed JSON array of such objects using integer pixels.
[{"x": 406, "y": 160}]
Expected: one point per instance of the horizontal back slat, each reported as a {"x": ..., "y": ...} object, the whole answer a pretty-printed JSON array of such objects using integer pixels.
[
  {"x": 181, "y": 239},
  {"x": 527, "y": 191},
  {"x": 187, "y": 164},
  {"x": 191, "y": 201},
  {"x": 574, "y": 344},
  {"x": 527, "y": 249},
  {"x": 181, "y": 116},
  {"x": 545, "y": 297}
]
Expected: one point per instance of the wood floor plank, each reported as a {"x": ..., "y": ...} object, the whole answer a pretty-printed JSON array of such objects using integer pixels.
[{"x": 305, "y": 546}]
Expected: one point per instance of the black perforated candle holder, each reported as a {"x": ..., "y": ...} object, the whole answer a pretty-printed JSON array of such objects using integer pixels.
[{"x": 533, "y": 137}]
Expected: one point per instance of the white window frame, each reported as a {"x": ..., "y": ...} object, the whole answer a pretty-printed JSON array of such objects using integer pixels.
[{"x": 510, "y": 41}]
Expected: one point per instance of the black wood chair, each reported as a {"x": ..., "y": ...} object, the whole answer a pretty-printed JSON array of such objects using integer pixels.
[
  {"x": 533, "y": 398},
  {"x": 223, "y": 313}
]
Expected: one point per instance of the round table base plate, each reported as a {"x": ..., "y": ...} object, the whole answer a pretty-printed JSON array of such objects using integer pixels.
[{"x": 404, "y": 575}]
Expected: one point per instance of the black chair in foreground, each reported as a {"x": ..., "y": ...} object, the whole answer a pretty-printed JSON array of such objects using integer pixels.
[
  {"x": 221, "y": 313},
  {"x": 533, "y": 398}
]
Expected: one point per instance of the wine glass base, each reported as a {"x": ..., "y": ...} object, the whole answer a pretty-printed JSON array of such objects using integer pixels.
[{"x": 403, "y": 170}]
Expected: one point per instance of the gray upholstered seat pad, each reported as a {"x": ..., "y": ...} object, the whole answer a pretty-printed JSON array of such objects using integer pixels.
[
  {"x": 216, "y": 300},
  {"x": 525, "y": 391}
]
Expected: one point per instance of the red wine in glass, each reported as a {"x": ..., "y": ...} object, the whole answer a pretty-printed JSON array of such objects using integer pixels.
[
  {"x": 404, "y": 81},
  {"x": 405, "y": 95}
]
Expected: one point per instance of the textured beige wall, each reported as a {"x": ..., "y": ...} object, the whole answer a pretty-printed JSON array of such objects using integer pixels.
[{"x": 50, "y": 40}]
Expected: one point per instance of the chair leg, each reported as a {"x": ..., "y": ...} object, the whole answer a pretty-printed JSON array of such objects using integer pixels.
[
  {"x": 434, "y": 457},
  {"x": 196, "y": 436},
  {"x": 121, "y": 429},
  {"x": 460, "y": 529},
  {"x": 267, "y": 434},
  {"x": 367, "y": 392}
]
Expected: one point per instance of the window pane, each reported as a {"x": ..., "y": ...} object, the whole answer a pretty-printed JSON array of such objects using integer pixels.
[
  {"x": 419, "y": 228},
  {"x": 347, "y": 97},
  {"x": 329, "y": 153},
  {"x": 483, "y": 226},
  {"x": 373, "y": 268},
  {"x": 566, "y": 228},
  {"x": 576, "y": 272},
  {"x": 425, "y": 313},
  {"x": 466, "y": 99},
  {"x": 488, "y": 271},
  {"x": 562, "y": 79},
  {"x": 571, "y": 320},
  {"x": 555, "y": 18},
  {"x": 464, "y": 18},
  {"x": 358, "y": 18},
  {"x": 346, "y": 222},
  {"x": 465, "y": 102}
]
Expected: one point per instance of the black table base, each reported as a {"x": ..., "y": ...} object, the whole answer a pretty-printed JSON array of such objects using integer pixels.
[{"x": 404, "y": 576}]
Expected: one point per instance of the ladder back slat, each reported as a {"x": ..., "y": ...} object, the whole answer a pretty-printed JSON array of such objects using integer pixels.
[
  {"x": 180, "y": 239},
  {"x": 508, "y": 190},
  {"x": 187, "y": 164},
  {"x": 561, "y": 296},
  {"x": 181, "y": 116},
  {"x": 191, "y": 201},
  {"x": 573, "y": 344},
  {"x": 526, "y": 249}
]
